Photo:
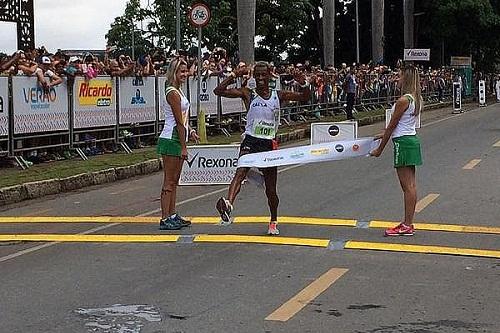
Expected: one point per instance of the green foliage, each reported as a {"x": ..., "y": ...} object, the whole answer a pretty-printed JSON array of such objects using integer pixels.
[{"x": 294, "y": 28}]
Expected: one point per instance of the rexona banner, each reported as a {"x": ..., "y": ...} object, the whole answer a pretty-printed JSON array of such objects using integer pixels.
[
  {"x": 94, "y": 102},
  {"x": 323, "y": 152},
  {"x": 37, "y": 110},
  {"x": 329, "y": 132},
  {"x": 417, "y": 54},
  {"x": 457, "y": 97},
  {"x": 4, "y": 106},
  {"x": 482, "y": 93},
  {"x": 210, "y": 165},
  {"x": 137, "y": 100}
]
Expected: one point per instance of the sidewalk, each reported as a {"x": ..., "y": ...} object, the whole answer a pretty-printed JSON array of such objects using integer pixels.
[{"x": 77, "y": 174}]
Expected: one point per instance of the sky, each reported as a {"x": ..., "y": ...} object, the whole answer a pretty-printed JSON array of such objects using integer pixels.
[{"x": 63, "y": 24}]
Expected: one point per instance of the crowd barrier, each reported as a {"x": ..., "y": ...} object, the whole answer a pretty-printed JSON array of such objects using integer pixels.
[{"x": 106, "y": 109}]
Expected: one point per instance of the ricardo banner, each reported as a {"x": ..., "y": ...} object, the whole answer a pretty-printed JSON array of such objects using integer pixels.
[
  {"x": 37, "y": 110},
  {"x": 210, "y": 165},
  {"x": 94, "y": 102},
  {"x": 4, "y": 106},
  {"x": 137, "y": 100}
]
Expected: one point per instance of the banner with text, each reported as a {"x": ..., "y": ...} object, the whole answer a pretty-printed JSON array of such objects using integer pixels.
[
  {"x": 323, "y": 152},
  {"x": 162, "y": 100},
  {"x": 417, "y": 55},
  {"x": 4, "y": 106},
  {"x": 330, "y": 132},
  {"x": 36, "y": 110},
  {"x": 137, "y": 100},
  {"x": 94, "y": 102},
  {"x": 210, "y": 165},
  {"x": 208, "y": 100}
]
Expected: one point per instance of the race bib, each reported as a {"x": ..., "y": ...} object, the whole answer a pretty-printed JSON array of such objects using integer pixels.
[{"x": 264, "y": 129}]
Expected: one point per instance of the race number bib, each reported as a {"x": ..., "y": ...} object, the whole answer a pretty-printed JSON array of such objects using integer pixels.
[{"x": 266, "y": 129}]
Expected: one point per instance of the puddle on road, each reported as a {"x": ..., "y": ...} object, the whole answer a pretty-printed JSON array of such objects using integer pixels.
[{"x": 119, "y": 318}]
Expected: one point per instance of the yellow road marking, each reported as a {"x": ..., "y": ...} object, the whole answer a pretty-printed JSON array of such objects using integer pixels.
[
  {"x": 196, "y": 220},
  {"x": 313, "y": 242},
  {"x": 497, "y": 144},
  {"x": 440, "y": 227},
  {"x": 471, "y": 164},
  {"x": 247, "y": 219},
  {"x": 426, "y": 201},
  {"x": 308, "y": 294},
  {"x": 91, "y": 238},
  {"x": 355, "y": 245}
]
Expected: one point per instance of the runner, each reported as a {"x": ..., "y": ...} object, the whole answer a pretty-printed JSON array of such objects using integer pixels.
[
  {"x": 172, "y": 143},
  {"x": 263, "y": 107},
  {"x": 407, "y": 155}
]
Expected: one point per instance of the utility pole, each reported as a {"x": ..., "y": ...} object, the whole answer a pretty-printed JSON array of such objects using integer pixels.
[
  {"x": 357, "y": 32},
  {"x": 408, "y": 10},
  {"x": 377, "y": 30}
]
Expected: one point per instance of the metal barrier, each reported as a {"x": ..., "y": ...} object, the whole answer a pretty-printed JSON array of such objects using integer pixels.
[{"x": 124, "y": 111}]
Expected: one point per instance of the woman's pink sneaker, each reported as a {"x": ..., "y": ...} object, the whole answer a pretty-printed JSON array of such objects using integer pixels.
[{"x": 400, "y": 230}]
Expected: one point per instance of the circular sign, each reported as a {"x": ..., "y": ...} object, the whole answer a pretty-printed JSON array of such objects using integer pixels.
[
  {"x": 199, "y": 15},
  {"x": 339, "y": 148},
  {"x": 333, "y": 130}
]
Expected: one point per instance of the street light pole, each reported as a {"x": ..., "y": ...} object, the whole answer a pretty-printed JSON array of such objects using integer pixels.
[
  {"x": 357, "y": 32},
  {"x": 133, "y": 39}
]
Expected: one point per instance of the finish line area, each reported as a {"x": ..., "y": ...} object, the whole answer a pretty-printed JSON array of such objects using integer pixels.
[{"x": 327, "y": 233}]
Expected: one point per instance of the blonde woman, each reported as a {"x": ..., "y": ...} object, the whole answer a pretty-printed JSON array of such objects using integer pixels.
[
  {"x": 172, "y": 143},
  {"x": 407, "y": 154}
]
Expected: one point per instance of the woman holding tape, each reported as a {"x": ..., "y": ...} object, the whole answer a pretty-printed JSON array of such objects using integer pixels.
[
  {"x": 407, "y": 154},
  {"x": 172, "y": 143}
]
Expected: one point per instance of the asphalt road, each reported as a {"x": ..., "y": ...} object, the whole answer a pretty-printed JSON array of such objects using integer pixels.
[{"x": 189, "y": 286}]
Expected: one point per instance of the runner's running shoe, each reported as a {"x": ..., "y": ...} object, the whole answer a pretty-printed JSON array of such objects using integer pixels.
[
  {"x": 181, "y": 220},
  {"x": 169, "y": 224},
  {"x": 273, "y": 229},
  {"x": 224, "y": 208},
  {"x": 400, "y": 230}
]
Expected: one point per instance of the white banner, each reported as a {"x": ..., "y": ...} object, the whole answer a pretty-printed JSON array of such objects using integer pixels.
[
  {"x": 207, "y": 97},
  {"x": 137, "y": 100},
  {"x": 37, "y": 111},
  {"x": 232, "y": 105},
  {"x": 323, "y": 152},
  {"x": 210, "y": 165},
  {"x": 388, "y": 116},
  {"x": 94, "y": 102},
  {"x": 162, "y": 100},
  {"x": 482, "y": 93},
  {"x": 330, "y": 132},
  {"x": 4, "y": 106},
  {"x": 417, "y": 55}
]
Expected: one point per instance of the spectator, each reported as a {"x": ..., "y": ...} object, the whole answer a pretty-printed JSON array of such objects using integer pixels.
[{"x": 43, "y": 70}]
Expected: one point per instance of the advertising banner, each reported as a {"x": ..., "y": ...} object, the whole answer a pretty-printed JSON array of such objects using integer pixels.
[
  {"x": 36, "y": 110},
  {"x": 388, "y": 116},
  {"x": 330, "y": 132},
  {"x": 457, "y": 97},
  {"x": 232, "y": 105},
  {"x": 137, "y": 100},
  {"x": 482, "y": 93},
  {"x": 417, "y": 55},
  {"x": 162, "y": 100},
  {"x": 4, "y": 106},
  {"x": 94, "y": 102},
  {"x": 208, "y": 100},
  {"x": 210, "y": 165},
  {"x": 324, "y": 152}
]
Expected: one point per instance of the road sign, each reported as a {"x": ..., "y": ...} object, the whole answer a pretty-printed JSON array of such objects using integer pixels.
[{"x": 199, "y": 15}]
